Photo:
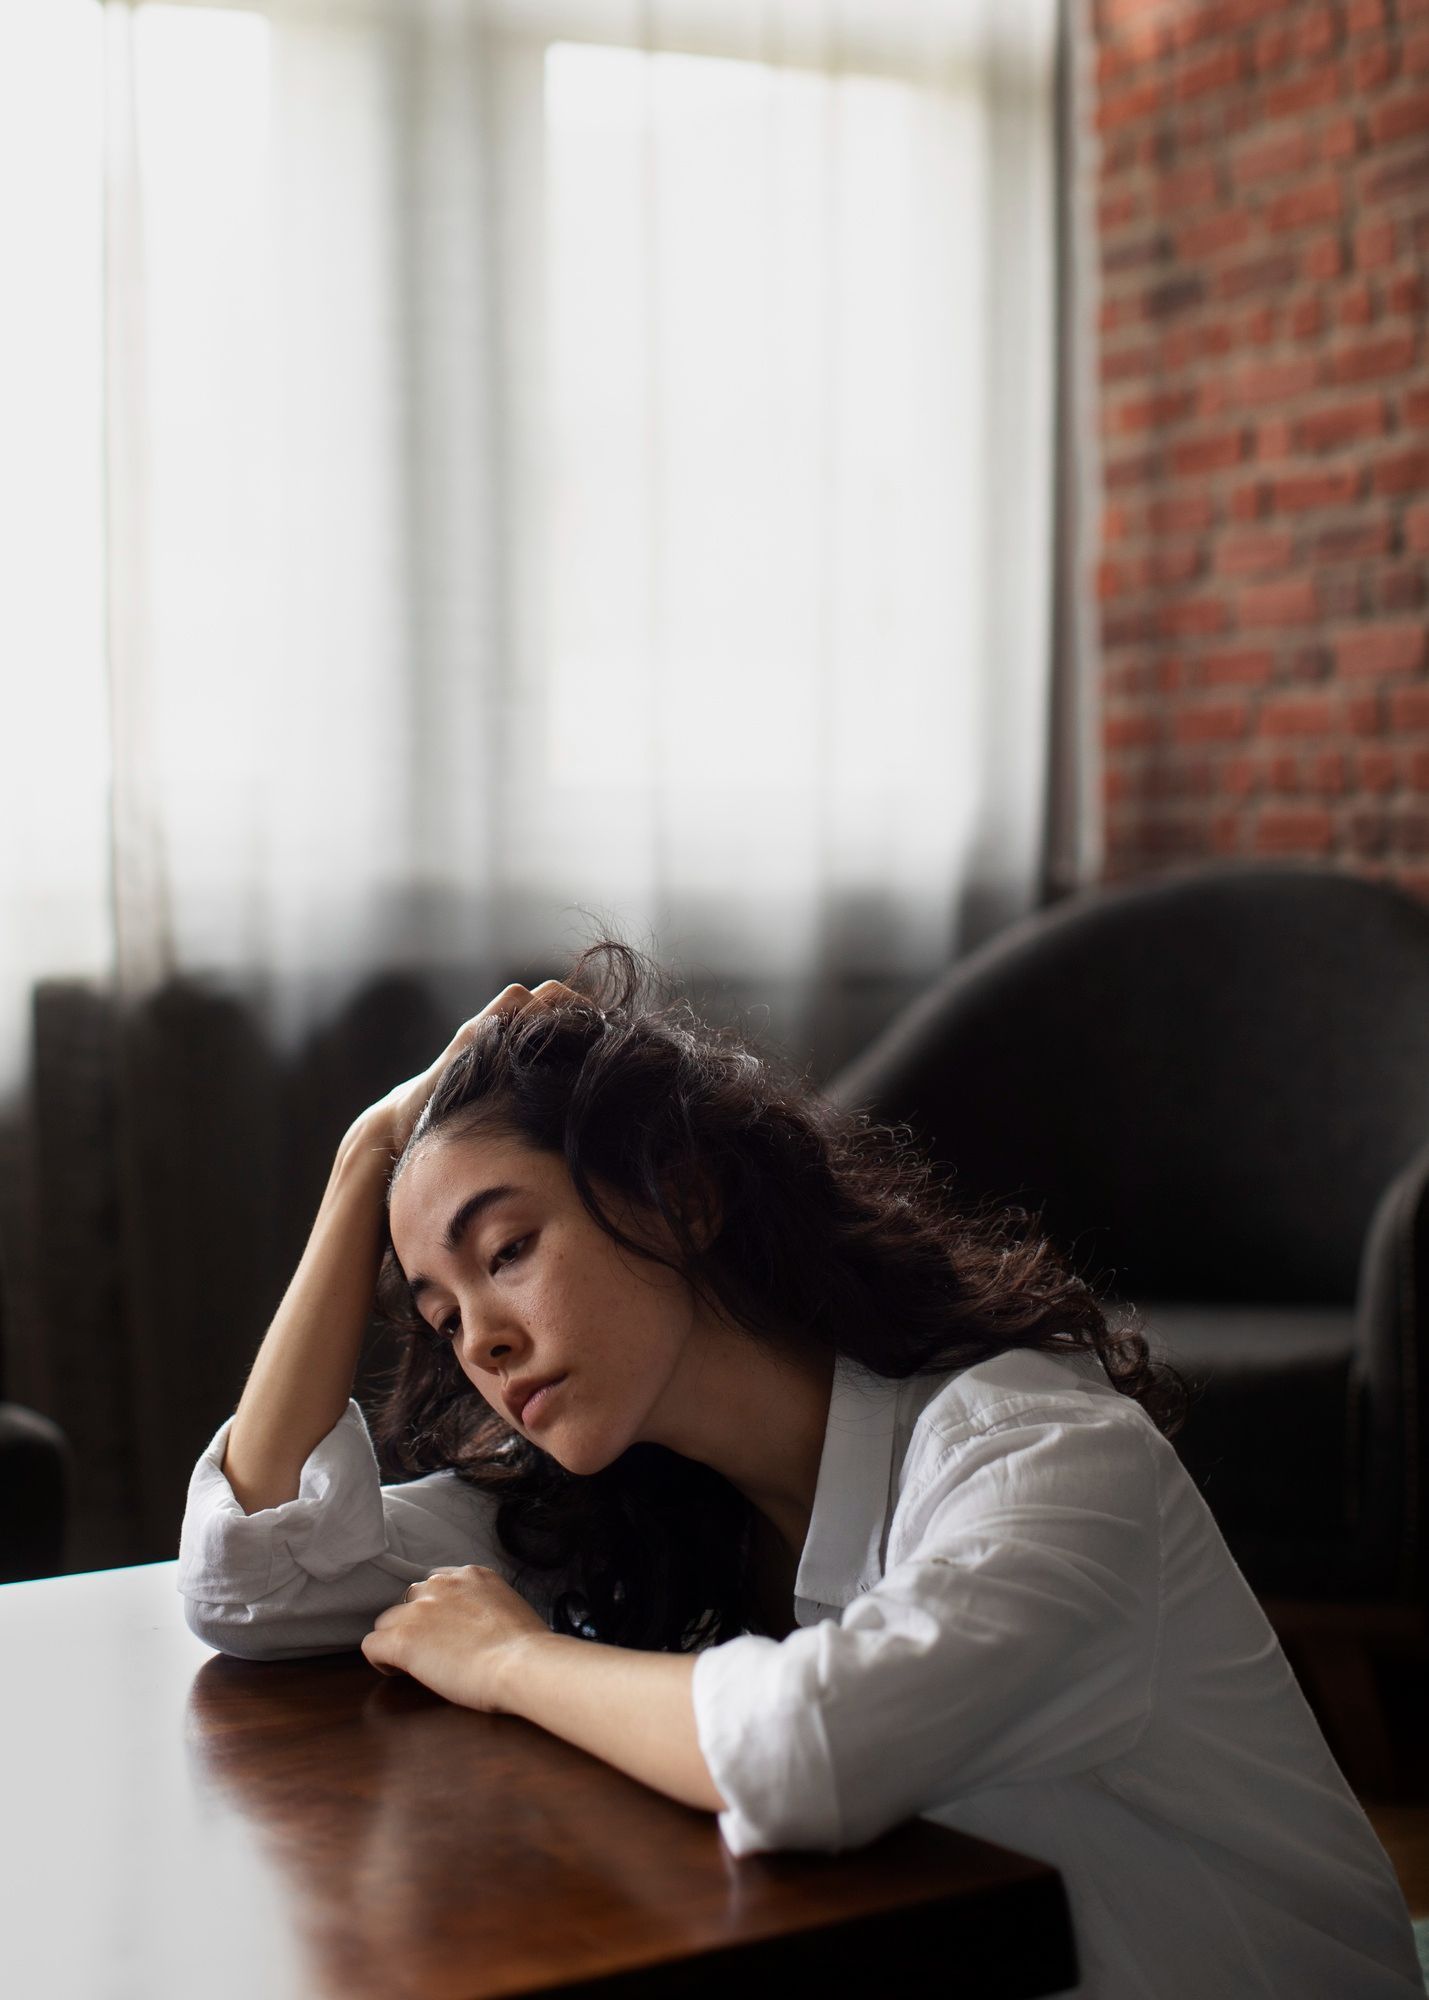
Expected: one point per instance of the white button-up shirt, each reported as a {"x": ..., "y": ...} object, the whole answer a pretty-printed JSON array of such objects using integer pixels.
[{"x": 1016, "y": 1617}]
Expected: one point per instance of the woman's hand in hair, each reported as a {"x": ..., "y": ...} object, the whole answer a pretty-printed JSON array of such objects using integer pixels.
[
  {"x": 388, "y": 1123},
  {"x": 460, "y": 1633}
]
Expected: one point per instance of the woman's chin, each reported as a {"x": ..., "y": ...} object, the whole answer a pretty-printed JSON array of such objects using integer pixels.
[
  {"x": 578, "y": 1451},
  {"x": 579, "y": 1460}
]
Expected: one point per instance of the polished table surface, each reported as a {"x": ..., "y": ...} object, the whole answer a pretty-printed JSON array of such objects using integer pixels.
[{"x": 180, "y": 1825}]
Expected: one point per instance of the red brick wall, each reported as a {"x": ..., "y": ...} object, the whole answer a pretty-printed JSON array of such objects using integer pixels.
[{"x": 1263, "y": 571}]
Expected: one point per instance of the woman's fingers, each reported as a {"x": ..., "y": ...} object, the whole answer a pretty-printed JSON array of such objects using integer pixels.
[
  {"x": 403, "y": 1104},
  {"x": 547, "y": 993},
  {"x": 558, "y": 990},
  {"x": 510, "y": 1000},
  {"x": 548, "y": 989},
  {"x": 513, "y": 999}
]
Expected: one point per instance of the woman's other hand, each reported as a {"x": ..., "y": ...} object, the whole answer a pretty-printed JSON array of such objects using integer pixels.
[
  {"x": 459, "y": 1632},
  {"x": 388, "y": 1123}
]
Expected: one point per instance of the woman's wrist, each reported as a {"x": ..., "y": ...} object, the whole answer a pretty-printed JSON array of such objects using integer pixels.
[
  {"x": 367, "y": 1146},
  {"x": 515, "y": 1677}
]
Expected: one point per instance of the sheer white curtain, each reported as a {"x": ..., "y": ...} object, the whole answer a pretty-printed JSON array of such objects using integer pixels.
[
  {"x": 474, "y": 472},
  {"x": 554, "y": 457}
]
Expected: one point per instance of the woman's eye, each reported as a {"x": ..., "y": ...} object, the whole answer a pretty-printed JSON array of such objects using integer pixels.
[
  {"x": 497, "y": 1264},
  {"x": 448, "y": 1329}
]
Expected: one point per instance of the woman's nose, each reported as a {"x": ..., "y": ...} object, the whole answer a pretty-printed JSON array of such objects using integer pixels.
[{"x": 487, "y": 1342}]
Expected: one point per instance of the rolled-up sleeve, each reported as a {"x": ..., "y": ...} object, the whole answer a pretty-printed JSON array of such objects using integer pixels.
[
  {"x": 1015, "y": 1638},
  {"x": 312, "y": 1575}
]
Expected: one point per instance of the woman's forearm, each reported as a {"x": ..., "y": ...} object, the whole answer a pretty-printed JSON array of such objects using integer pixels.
[
  {"x": 302, "y": 1375},
  {"x": 633, "y": 1710}
]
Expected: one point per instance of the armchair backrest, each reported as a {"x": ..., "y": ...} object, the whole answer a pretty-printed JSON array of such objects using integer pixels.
[{"x": 1204, "y": 1080}]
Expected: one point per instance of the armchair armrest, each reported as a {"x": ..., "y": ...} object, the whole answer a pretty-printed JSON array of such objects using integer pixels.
[
  {"x": 36, "y": 1482},
  {"x": 1391, "y": 1376}
]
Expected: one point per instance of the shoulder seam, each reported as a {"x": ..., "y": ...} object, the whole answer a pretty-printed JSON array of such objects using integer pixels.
[{"x": 1045, "y": 1401}]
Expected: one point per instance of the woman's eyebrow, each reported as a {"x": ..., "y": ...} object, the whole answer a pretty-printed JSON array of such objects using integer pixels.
[{"x": 461, "y": 1220}]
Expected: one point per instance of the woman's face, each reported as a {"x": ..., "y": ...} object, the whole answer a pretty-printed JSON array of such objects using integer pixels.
[{"x": 526, "y": 1286}]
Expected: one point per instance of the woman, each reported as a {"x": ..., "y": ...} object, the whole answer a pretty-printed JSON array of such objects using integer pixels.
[{"x": 748, "y": 1464}]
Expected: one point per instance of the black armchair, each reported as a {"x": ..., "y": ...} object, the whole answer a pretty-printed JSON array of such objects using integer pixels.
[
  {"x": 1215, "y": 1087},
  {"x": 36, "y": 1483}
]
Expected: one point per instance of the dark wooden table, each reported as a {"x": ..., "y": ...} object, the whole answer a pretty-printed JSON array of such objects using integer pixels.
[{"x": 179, "y": 1825}]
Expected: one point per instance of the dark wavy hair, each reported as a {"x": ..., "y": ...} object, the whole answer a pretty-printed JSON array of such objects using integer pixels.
[{"x": 832, "y": 1229}]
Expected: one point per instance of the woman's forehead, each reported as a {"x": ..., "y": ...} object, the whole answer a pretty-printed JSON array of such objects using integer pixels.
[{"x": 453, "y": 1166}]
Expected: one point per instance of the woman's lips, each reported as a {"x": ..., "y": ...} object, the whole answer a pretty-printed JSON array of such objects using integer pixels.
[{"x": 535, "y": 1405}]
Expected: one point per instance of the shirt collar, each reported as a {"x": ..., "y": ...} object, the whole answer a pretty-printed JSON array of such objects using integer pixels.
[{"x": 843, "y": 1551}]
